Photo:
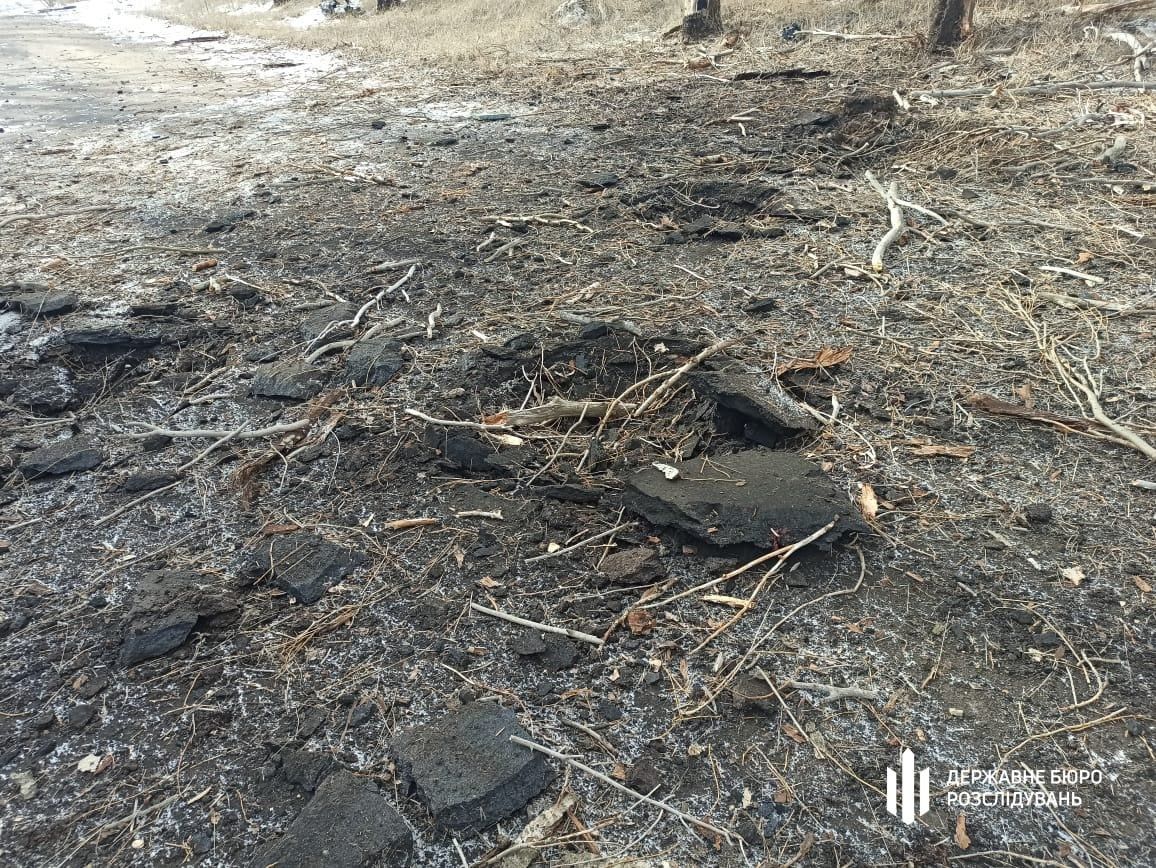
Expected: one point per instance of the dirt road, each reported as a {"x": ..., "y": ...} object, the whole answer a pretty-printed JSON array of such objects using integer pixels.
[{"x": 271, "y": 316}]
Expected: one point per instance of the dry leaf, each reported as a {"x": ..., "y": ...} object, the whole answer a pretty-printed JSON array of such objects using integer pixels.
[
  {"x": 940, "y": 450},
  {"x": 487, "y": 582},
  {"x": 699, "y": 63},
  {"x": 1141, "y": 585},
  {"x": 1085, "y": 257},
  {"x": 89, "y": 764},
  {"x": 961, "y": 839},
  {"x": 826, "y": 357},
  {"x": 782, "y": 796},
  {"x": 618, "y": 772},
  {"x": 271, "y": 529},
  {"x": 639, "y": 621},
  {"x": 695, "y": 750},
  {"x": 1075, "y": 575},
  {"x": 670, "y": 472},
  {"x": 205, "y": 265},
  {"x": 791, "y": 732},
  {"x": 868, "y": 502},
  {"x": 1024, "y": 393}
]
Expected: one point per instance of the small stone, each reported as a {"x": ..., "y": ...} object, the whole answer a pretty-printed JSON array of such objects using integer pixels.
[
  {"x": 599, "y": 181},
  {"x": 643, "y": 777},
  {"x": 149, "y": 480},
  {"x": 360, "y": 714},
  {"x": 66, "y": 456},
  {"x": 1039, "y": 513},
  {"x": 378, "y": 124},
  {"x": 759, "y": 411},
  {"x": 444, "y": 141},
  {"x": 609, "y": 711},
  {"x": 48, "y": 389},
  {"x": 374, "y": 362},
  {"x": 751, "y": 693},
  {"x": 305, "y": 769},
  {"x": 42, "y": 721},
  {"x": 201, "y": 843},
  {"x": 92, "y": 687},
  {"x": 103, "y": 337},
  {"x": 155, "y": 442},
  {"x": 347, "y": 824},
  {"x": 762, "y": 305},
  {"x": 42, "y": 303},
  {"x": 292, "y": 380},
  {"x": 303, "y": 565},
  {"x": 467, "y": 771},
  {"x": 767, "y": 499},
  {"x": 327, "y": 324},
  {"x": 491, "y": 117},
  {"x": 554, "y": 653},
  {"x": 633, "y": 567},
  {"x": 167, "y": 606},
  {"x": 79, "y": 716}
]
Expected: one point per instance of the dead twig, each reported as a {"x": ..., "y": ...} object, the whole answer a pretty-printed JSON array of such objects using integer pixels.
[{"x": 544, "y": 628}]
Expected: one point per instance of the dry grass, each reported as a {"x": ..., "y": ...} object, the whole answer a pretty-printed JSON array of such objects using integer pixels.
[{"x": 457, "y": 30}]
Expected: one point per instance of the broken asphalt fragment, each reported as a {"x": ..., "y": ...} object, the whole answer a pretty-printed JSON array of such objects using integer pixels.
[
  {"x": 347, "y": 824},
  {"x": 467, "y": 771},
  {"x": 757, "y": 497},
  {"x": 762, "y": 412}
]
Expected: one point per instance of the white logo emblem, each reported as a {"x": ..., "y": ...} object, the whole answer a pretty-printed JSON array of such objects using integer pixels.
[{"x": 908, "y": 814}]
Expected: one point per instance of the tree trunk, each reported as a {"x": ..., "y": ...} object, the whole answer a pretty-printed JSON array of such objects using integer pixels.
[
  {"x": 703, "y": 19},
  {"x": 950, "y": 22}
]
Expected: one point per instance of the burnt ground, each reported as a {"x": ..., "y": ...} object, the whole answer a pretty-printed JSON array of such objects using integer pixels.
[{"x": 575, "y": 228}]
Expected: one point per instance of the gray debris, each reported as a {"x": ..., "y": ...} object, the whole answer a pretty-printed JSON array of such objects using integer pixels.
[
  {"x": 46, "y": 389},
  {"x": 760, "y": 411},
  {"x": 347, "y": 824},
  {"x": 374, "y": 362},
  {"x": 42, "y": 302},
  {"x": 303, "y": 565},
  {"x": 324, "y": 324},
  {"x": 467, "y": 771},
  {"x": 295, "y": 381},
  {"x": 167, "y": 604},
  {"x": 760, "y": 498},
  {"x": 66, "y": 456},
  {"x": 633, "y": 567}
]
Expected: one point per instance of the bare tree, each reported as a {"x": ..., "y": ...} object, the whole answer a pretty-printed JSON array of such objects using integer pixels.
[
  {"x": 950, "y": 22},
  {"x": 703, "y": 18}
]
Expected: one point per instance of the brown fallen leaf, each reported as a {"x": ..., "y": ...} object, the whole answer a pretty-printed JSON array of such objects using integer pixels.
[
  {"x": 271, "y": 529},
  {"x": 1142, "y": 586},
  {"x": 942, "y": 450},
  {"x": 827, "y": 357},
  {"x": 205, "y": 265},
  {"x": 792, "y": 732},
  {"x": 639, "y": 621},
  {"x": 961, "y": 839},
  {"x": 1024, "y": 393},
  {"x": 1073, "y": 575},
  {"x": 868, "y": 502}
]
